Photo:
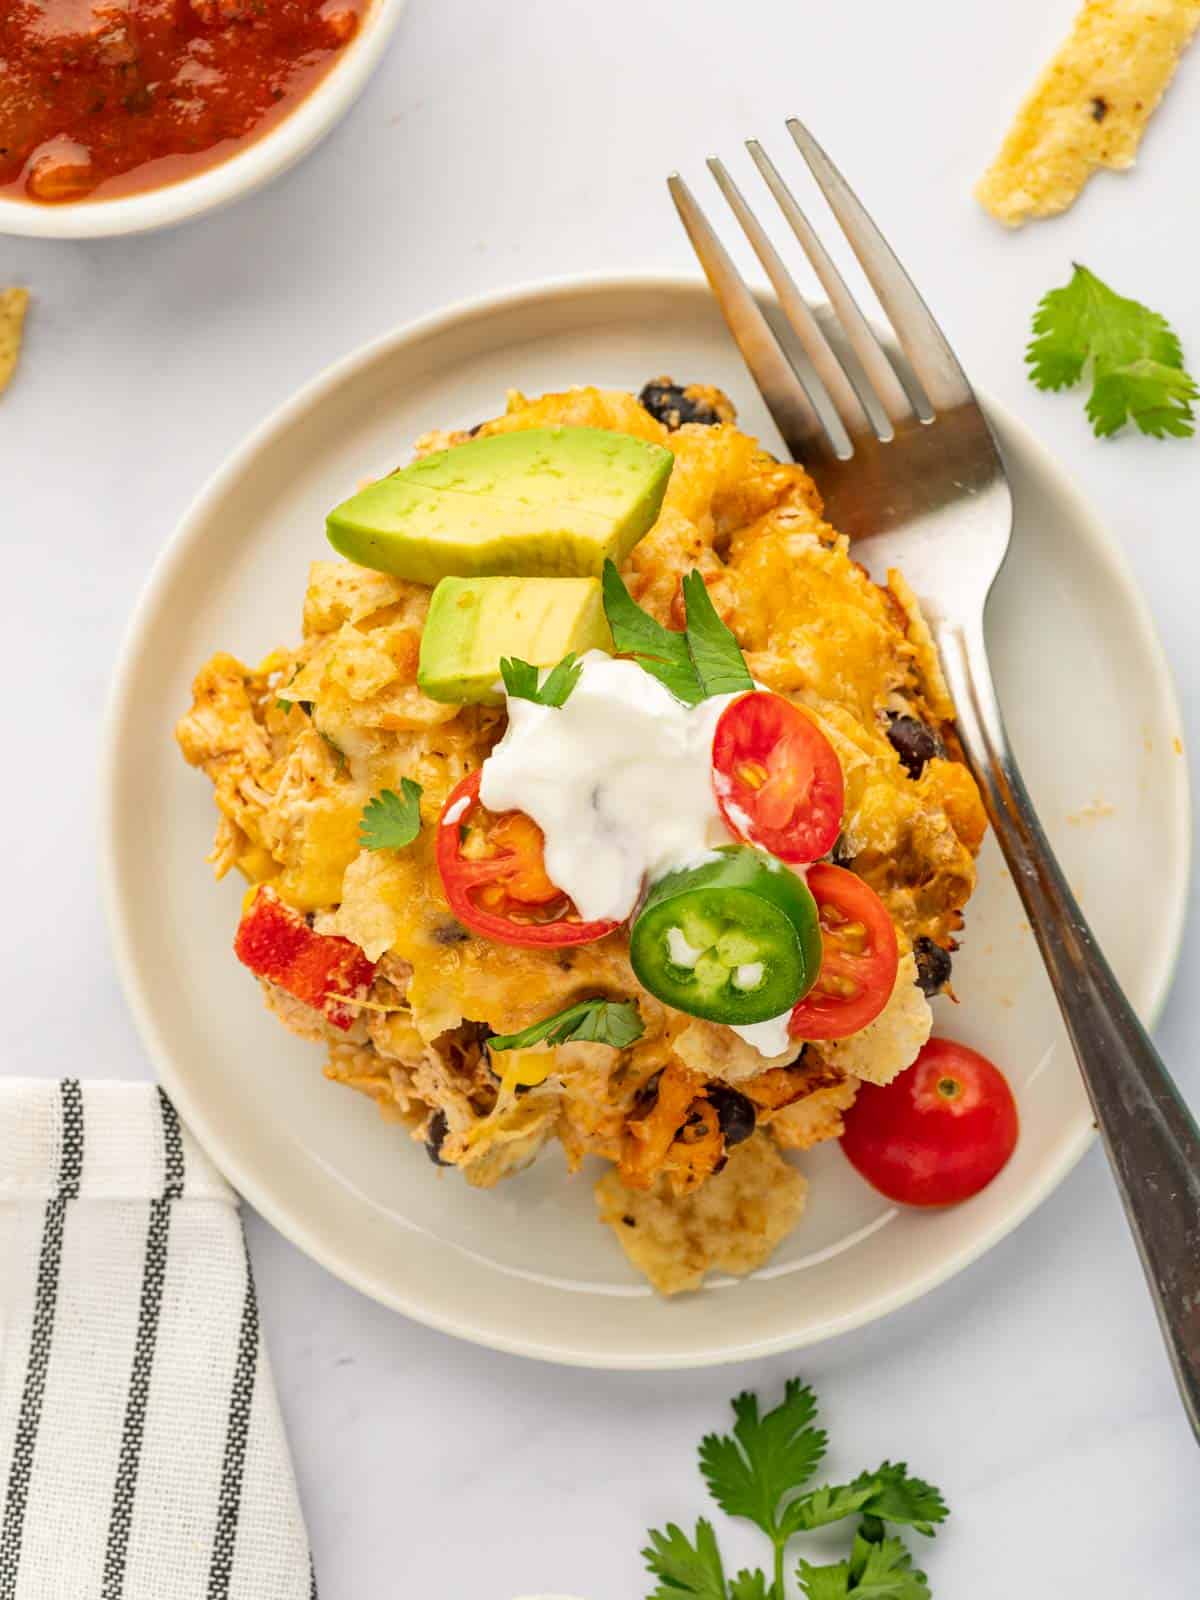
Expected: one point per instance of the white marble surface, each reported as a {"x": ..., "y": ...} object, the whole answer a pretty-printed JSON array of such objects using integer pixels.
[{"x": 497, "y": 145}]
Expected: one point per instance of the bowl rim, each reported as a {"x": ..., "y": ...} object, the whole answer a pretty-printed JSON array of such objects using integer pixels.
[
  {"x": 122, "y": 703},
  {"x": 242, "y": 173}
]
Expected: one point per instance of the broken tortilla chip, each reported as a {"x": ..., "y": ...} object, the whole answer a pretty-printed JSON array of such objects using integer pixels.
[
  {"x": 13, "y": 303},
  {"x": 1090, "y": 107}
]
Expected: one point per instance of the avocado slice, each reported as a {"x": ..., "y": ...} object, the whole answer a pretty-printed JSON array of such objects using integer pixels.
[
  {"x": 473, "y": 622},
  {"x": 540, "y": 502}
]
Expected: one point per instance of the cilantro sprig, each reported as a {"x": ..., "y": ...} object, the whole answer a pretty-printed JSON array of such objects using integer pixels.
[
  {"x": 703, "y": 660},
  {"x": 390, "y": 820},
  {"x": 523, "y": 681},
  {"x": 614, "y": 1022},
  {"x": 1131, "y": 353},
  {"x": 762, "y": 1472}
]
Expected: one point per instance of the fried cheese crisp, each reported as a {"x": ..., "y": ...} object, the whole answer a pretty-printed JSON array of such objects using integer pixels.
[
  {"x": 731, "y": 1224},
  {"x": 1090, "y": 107},
  {"x": 13, "y": 305}
]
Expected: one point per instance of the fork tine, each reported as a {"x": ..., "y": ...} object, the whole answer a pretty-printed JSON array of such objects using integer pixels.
[
  {"x": 878, "y": 374},
  {"x": 923, "y": 341},
  {"x": 804, "y": 325},
  {"x": 783, "y": 393}
]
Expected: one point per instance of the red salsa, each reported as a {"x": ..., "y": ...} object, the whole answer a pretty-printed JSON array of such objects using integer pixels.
[{"x": 100, "y": 98}]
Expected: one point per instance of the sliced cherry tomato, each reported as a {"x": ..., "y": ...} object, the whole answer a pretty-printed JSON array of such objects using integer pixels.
[
  {"x": 494, "y": 875},
  {"x": 777, "y": 779},
  {"x": 858, "y": 957},
  {"x": 938, "y": 1133}
]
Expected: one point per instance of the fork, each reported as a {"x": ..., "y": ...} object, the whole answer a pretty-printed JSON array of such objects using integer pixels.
[{"x": 910, "y": 470}]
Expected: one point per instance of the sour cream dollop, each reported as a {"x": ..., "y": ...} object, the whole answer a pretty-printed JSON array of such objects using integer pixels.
[{"x": 619, "y": 779}]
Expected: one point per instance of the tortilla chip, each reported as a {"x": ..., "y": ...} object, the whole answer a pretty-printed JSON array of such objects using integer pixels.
[
  {"x": 731, "y": 1224},
  {"x": 13, "y": 304},
  {"x": 1090, "y": 107}
]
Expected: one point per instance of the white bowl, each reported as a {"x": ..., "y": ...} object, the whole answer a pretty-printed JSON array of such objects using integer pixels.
[
  {"x": 526, "y": 1267},
  {"x": 255, "y": 164}
]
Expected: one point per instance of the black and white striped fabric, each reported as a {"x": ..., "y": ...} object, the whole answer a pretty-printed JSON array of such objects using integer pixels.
[{"x": 142, "y": 1455}]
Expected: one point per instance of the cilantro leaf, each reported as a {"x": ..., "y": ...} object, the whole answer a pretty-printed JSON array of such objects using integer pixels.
[
  {"x": 1156, "y": 397},
  {"x": 1135, "y": 358},
  {"x": 885, "y": 1571},
  {"x": 897, "y": 1497},
  {"x": 874, "y": 1572},
  {"x": 663, "y": 654},
  {"x": 820, "y": 1507},
  {"x": 523, "y": 681},
  {"x": 684, "y": 1567},
  {"x": 716, "y": 654},
  {"x": 824, "y": 1583},
  {"x": 767, "y": 1458},
  {"x": 614, "y": 1022},
  {"x": 390, "y": 820},
  {"x": 749, "y": 1586},
  {"x": 704, "y": 660}
]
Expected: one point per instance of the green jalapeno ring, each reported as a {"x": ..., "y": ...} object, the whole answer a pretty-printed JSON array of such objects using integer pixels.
[{"x": 735, "y": 939}]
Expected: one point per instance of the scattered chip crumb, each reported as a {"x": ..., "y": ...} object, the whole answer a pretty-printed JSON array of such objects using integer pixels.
[
  {"x": 1090, "y": 106},
  {"x": 1178, "y": 744},
  {"x": 13, "y": 305},
  {"x": 730, "y": 1224},
  {"x": 1092, "y": 812}
]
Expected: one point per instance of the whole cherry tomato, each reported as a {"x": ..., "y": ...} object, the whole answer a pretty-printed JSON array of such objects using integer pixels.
[{"x": 938, "y": 1133}]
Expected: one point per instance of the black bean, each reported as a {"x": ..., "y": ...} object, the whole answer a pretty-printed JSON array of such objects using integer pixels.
[
  {"x": 933, "y": 966},
  {"x": 914, "y": 743},
  {"x": 843, "y": 856},
  {"x": 673, "y": 405},
  {"x": 450, "y": 932},
  {"x": 630, "y": 1222},
  {"x": 735, "y": 1113},
  {"x": 435, "y": 1138},
  {"x": 646, "y": 1098}
]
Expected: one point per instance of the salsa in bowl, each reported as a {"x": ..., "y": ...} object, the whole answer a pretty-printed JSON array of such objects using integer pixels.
[{"x": 123, "y": 115}]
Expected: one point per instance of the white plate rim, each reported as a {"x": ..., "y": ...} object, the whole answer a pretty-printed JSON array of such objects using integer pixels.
[{"x": 122, "y": 703}]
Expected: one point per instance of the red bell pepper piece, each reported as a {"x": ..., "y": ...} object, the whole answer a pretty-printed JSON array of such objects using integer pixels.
[{"x": 320, "y": 969}]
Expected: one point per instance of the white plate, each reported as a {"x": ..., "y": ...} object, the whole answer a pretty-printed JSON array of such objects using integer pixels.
[{"x": 526, "y": 1267}]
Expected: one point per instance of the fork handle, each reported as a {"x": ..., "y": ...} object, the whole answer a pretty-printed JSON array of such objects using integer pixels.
[{"x": 1149, "y": 1134}]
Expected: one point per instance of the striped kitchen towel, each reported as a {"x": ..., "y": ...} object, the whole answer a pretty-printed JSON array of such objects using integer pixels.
[{"x": 142, "y": 1456}]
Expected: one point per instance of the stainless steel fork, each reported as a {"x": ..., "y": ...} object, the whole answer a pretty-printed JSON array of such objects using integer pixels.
[{"x": 909, "y": 468}]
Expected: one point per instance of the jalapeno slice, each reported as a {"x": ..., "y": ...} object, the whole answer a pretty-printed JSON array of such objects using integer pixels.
[{"x": 735, "y": 939}]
